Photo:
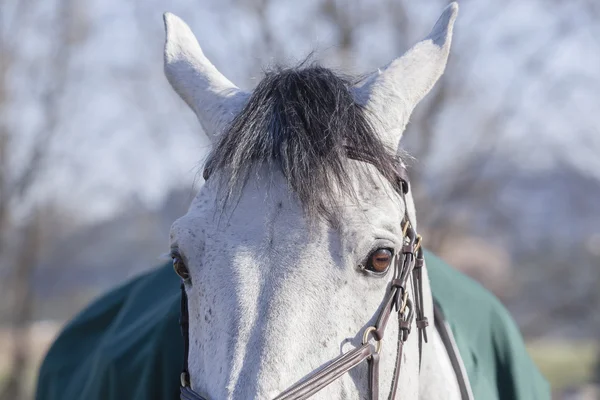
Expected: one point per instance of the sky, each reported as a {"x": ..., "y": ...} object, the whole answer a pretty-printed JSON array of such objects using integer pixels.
[{"x": 124, "y": 133}]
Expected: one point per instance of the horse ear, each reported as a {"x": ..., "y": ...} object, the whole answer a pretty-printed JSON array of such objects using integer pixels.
[
  {"x": 214, "y": 99},
  {"x": 392, "y": 92}
]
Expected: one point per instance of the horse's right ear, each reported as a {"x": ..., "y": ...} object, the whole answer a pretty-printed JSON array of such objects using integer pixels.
[
  {"x": 392, "y": 92},
  {"x": 214, "y": 99}
]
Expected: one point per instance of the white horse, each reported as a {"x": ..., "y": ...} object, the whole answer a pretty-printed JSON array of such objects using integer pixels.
[{"x": 289, "y": 248}]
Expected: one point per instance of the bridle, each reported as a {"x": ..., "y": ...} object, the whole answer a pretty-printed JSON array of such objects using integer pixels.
[{"x": 408, "y": 265}]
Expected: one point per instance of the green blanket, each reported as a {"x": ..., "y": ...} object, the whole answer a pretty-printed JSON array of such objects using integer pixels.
[{"x": 127, "y": 345}]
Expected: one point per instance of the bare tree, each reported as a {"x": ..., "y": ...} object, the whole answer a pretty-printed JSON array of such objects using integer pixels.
[
  {"x": 471, "y": 182},
  {"x": 21, "y": 169}
]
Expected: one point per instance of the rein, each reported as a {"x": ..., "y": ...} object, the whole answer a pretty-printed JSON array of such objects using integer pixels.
[{"x": 408, "y": 265}]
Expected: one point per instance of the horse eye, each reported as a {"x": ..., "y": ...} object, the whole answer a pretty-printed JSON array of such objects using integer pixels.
[
  {"x": 180, "y": 268},
  {"x": 379, "y": 260}
]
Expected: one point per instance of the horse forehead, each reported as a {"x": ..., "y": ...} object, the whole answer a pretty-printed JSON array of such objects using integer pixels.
[
  {"x": 266, "y": 212},
  {"x": 259, "y": 212}
]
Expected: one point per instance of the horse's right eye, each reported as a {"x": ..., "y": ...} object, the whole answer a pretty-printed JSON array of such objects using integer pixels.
[{"x": 180, "y": 267}]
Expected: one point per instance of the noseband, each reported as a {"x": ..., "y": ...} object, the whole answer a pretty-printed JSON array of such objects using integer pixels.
[{"x": 408, "y": 264}]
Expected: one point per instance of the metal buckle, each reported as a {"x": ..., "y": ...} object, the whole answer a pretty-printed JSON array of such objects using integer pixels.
[
  {"x": 184, "y": 379},
  {"x": 418, "y": 243},
  {"x": 404, "y": 301},
  {"x": 365, "y": 340},
  {"x": 405, "y": 228}
]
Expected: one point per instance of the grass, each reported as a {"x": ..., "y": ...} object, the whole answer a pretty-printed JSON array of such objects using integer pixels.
[
  {"x": 41, "y": 336},
  {"x": 563, "y": 363}
]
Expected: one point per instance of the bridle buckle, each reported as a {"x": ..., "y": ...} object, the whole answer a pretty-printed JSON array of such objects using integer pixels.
[
  {"x": 365, "y": 340},
  {"x": 184, "y": 379}
]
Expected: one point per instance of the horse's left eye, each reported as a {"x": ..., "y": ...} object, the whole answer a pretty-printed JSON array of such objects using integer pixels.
[
  {"x": 379, "y": 261},
  {"x": 180, "y": 268}
]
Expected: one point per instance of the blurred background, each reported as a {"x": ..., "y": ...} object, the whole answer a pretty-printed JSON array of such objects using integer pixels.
[{"x": 98, "y": 155}]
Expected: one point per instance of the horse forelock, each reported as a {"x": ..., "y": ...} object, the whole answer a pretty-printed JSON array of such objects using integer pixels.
[{"x": 304, "y": 122}]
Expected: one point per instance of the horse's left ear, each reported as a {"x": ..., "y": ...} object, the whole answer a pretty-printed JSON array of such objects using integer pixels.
[
  {"x": 214, "y": 99},
  {"x": 393, "y": 92}
]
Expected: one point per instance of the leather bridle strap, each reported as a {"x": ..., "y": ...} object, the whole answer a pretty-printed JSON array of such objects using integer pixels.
[
  {"x": 408, "y": 265},
  {"x": 396, "y": 297},
  {"x": 186, "y": 391},
  {"x": 421, "y": 320},
  {"x": 335, "y": 369}
]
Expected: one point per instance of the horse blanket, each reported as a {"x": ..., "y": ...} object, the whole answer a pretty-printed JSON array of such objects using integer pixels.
[{"x": 127, "y": 344}]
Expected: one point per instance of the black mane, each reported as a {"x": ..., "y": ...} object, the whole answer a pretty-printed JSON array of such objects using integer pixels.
[{"x": 305, "y": 122}]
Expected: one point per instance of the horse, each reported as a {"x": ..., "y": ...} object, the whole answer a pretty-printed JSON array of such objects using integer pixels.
[{"x": 301, "y": 266}]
